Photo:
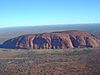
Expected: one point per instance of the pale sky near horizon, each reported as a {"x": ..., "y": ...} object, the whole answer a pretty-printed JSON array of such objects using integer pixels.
[{"x": 48, "y": 12}]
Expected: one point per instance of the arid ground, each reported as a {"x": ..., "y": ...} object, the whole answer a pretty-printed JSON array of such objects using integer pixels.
[{"x": 50, "y": 62}]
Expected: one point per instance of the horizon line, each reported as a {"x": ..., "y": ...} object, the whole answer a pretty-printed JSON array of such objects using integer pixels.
[{"x": 49, "y": 25}]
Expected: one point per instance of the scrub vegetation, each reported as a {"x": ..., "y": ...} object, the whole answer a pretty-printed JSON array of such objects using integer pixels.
[{"x": 84, "y": 61}]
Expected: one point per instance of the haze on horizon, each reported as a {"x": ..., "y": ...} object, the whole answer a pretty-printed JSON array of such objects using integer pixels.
[{"x": 48, "y": 12}]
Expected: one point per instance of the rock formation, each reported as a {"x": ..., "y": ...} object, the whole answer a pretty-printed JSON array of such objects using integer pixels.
[{"x": 54, "y": 40}]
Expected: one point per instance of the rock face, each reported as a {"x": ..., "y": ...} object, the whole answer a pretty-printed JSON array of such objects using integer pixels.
[{"x": 54, "y": 40}]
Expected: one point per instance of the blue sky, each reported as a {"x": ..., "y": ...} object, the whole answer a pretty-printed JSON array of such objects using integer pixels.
[{"x": 48, "y": 12}]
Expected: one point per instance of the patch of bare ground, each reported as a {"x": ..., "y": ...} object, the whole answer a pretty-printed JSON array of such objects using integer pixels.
[{"x": 50, "y": 62}]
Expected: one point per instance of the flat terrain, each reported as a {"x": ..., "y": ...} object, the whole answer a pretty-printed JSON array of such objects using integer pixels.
[
  {"x": 50, "y": 62},
  {"x": 8, "y": 33}
]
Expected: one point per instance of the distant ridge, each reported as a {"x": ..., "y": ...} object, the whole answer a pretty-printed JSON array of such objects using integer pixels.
[{"x": 54, "y": 40}]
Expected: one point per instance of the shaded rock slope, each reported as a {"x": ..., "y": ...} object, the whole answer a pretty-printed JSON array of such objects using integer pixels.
[{"x": 54, "y": 40}]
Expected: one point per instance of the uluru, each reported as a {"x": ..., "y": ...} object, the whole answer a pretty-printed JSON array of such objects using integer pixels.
[{"x": 53, "y": 40}]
